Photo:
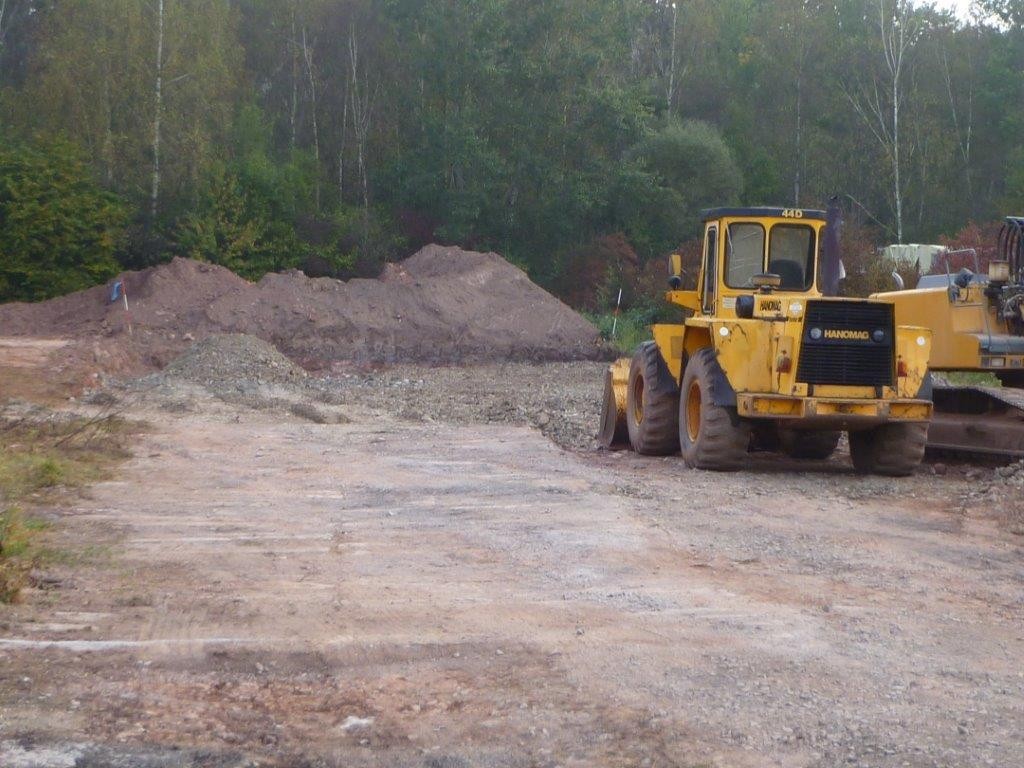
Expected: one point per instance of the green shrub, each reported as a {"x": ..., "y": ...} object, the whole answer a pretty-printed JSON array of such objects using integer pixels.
[{"x": 60, "y": 230}]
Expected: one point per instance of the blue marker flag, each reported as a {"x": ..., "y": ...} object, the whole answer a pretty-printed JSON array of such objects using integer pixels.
[{"x": 115, "y": 292}]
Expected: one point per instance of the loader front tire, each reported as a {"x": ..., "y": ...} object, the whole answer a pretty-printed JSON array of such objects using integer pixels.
[
  {"x": 815, "y": 446},
  {"x": 652, "y": 404},
  {"x": 710, "y": 436},
  {"x": 895, "y": 450}
]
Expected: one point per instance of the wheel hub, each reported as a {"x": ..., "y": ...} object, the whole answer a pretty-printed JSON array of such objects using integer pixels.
[
  {"x": 638, "y": 399},
  {"x": 693, "y": 402}
]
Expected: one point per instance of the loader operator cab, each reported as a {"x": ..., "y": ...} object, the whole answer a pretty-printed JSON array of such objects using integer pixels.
[{"x": 744, "y": 247}]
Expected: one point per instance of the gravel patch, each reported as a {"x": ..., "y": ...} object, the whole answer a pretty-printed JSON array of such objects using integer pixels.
[
  {"x": 562, "y": 400},
  {"x": 226, "y": 359}
]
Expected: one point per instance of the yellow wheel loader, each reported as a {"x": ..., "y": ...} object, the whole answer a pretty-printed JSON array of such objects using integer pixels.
[
  {"x": 977, "y": 324},
  {"x": 766, "y": 359}
]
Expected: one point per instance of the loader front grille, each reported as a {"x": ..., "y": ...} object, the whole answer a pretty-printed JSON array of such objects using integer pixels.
[{"x": 847, "y": 343}]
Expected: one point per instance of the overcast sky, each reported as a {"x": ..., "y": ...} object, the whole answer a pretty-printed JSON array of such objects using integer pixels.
[{"x": 962, "y": 7}]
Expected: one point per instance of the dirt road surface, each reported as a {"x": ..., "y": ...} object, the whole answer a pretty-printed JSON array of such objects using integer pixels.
[{"x": 259, "y": 590}]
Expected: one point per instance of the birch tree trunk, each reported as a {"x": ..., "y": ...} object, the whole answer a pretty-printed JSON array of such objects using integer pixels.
[
  {"x": 158, "y": 114},
  {"x": 882, "y": 113},
  {"x": 295, "y": 81},
  {"x": 3, "y": 27},
  {"x": 361, "y": 99},
  {"x": 896, "y": 41},
  {"x": 671, "y": 95},
  {"x": 964, "y": 132},
  {"x": 308, "y": 56},
  {"x": 341, "y": 151}
]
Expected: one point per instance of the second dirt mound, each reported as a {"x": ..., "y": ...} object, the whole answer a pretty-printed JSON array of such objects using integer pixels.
[{"x": 440, "y": 305}]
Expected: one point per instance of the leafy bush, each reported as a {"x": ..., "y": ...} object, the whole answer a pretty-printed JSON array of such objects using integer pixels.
[
  {"x": 60, "y": 229},
  {"x": 677, "y": 171}
]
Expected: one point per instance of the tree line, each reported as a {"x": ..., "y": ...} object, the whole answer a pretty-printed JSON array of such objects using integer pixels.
[{"x": 579, "y": 139}]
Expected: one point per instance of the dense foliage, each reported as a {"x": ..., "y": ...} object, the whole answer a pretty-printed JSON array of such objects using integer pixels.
[
  {"x": 333, "y": 135},
  {"x": 60, "y": 230}
]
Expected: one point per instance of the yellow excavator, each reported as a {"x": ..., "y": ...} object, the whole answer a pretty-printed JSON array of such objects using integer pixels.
[
  {"x": 977, "y": 323},
  {"x": 767, "y": 356}
]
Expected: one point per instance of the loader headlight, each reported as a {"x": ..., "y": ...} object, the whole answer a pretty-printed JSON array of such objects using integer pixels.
[{"x": 816, "y": 334}]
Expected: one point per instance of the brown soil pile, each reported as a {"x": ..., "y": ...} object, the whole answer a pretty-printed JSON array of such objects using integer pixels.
[{"x": 440, "y": 305}]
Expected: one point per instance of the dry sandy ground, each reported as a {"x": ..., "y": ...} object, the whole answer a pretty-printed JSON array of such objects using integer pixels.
[{"x": 258, "y": 590}]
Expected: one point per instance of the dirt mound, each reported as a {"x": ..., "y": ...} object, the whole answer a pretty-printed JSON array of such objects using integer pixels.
[
  {"x": 171, "y": 297},
  {"x": 440, "y": 305},
  {"x": 228, "y": 358}
]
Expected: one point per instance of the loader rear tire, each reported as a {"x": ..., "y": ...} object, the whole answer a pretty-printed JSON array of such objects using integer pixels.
[
  {"x": 895, "y": 450},
  {"x": 710, "y": 436},
  {"x": 815, "y": 446},
  {"x": 652, "y": 404}
]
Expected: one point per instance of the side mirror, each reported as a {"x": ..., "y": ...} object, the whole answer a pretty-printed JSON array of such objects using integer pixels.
[{"x": 675, "y": 271}]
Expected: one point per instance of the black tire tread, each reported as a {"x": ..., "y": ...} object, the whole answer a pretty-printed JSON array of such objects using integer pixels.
[
  {"x": 814, "y": 446},
  {"x": 894, "y": 450},
  {"x": 724, "y": 440},
  {"x": 658, "y": 432}
]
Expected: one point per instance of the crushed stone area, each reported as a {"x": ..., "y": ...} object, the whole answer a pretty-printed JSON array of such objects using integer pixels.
[
  {"x": 1000, "y": 492},
  {"x": 562, "y": 400}
]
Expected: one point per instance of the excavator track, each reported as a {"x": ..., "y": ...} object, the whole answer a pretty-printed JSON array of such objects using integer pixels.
[{"x": 978, "y": 420}]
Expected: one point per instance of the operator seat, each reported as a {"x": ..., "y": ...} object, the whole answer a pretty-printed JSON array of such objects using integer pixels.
[{"x": 792, "y": 274}]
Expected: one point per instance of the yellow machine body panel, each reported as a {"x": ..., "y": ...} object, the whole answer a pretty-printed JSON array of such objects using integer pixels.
[{"x": 968, "y": 334}]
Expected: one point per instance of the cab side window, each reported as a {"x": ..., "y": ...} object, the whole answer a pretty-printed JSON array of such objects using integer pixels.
[{"x": 710, "y": 268}]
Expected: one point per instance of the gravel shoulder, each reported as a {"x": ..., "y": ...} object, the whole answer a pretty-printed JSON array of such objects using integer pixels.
[{"x": 418, "y": 576}]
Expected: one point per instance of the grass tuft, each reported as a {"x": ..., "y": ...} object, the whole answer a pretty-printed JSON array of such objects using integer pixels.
[
  {"x": 18, "y": 552},
  {"x": 45, "y": 455}
]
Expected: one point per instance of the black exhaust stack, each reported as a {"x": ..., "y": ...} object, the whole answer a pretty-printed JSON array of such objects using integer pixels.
[{"x": 831, "y": 258}]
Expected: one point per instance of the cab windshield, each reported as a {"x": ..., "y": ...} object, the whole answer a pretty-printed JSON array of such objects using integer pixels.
[{"x": 790, "y": 255}]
